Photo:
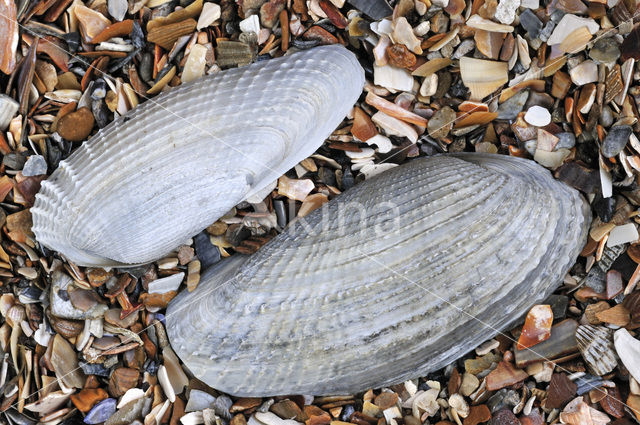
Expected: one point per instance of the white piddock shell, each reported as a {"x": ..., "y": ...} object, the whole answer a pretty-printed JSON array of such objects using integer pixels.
[
  {"x": 349, "y": 305},
  {"x": 150, "y": 180}
]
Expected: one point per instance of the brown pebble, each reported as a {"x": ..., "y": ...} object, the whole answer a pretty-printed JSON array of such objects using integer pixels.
[
  {"x": 399, "y": 56},
  {"x": 386, "y": 400},
  {"x": 287, "y": 409},
  {"x": 245, "y": 403},
  {"x": 561, "y": 390},
  {"x": 87, "y": 398},
  {"x": 455, "y": 380},
  {"x": 67, "y": 328},
  {"x": 504, "y": 417},
  {"x": 477, "y": 414},
  {"x": 121, "y": 380},
  {"x": 238, "y": 419},
  {"x": 612, "y": 404},
  {"x": 318, "y": 33},
  {"x": 76, "y": 126},
  {"x": 504, "y": 375},
  {"x": 178, "y": 412}
]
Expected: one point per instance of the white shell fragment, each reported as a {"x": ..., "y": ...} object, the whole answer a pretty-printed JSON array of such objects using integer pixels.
[
  {"x": 538, "y": 116},
  {"x": 119, "y": 199},
  {"x": 8, "y": 109},
  {"x": 353, "y": 306},
  {"x": 628, "y": 349},
  {"x": 623, "y": 234}
]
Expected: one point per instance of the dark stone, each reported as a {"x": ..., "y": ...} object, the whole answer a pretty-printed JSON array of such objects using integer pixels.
[
  {"x": 347, "y": 179},
  {"x": 561, "y": 390},
  {"x": 559, "y": 304},
  {"x": 347, "y": 411},
  {"x": 327, "y": 176},
  {"x": 531, "y": 23},
  {"x": 605, "y": 207},
  {"x": 14, "y": 161},
  {"x": 586, "y": 383},
  {"x": 578, "y": 177},
  {"x": 207, "y": 253},
  {"x": 94, "y": 369},
  {"x": 376, "y": 9},
  {"x": 605, "y": 50},
  {"x": 503, "y": 399},
  {"x": 616, "y": 140},
  {"x": 504, "y": 417},
  {"x": 281, "y": 215},
  {"x": 236, "y": 233}
]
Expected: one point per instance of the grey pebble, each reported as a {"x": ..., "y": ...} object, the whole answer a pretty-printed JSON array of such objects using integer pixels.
[
  {"x": 566, "y": 140},
  {"x": 36, "y": 165},
  {"x": 616, "y": 140},
  {"x": 510, "y": 109}
]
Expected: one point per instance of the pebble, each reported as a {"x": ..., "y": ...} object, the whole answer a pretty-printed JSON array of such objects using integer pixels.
[
  {"x": 469, "y": 384},
  {"x": 623, "y": 234},
  {"x": 86, "y": 399},
  {"x": 568, "y": 24},
  {"x": 76, "y": 126},
  {"x": 210, "y": 13},
  {"x": 606, "y": 116},
  {"x": 195, "y": 65},
  {"x": 616, "y": 140},
  {"x": 199, "y": 400},
  {"x": 101, "y": 412},
  {"x": 584, "y": 73},
  {"x": 270, "y": 11},
  {"x": 605, "y": 50},
  {"x": 127, "y": 413},
  {"x": 510, "y": 109},
  {"x": 121, "y": 380},
  {"x": 441, "y": 123},
  {"x": 65, "y": 363},
  {"x": 531, "y": 23},
  {"x": 36, "y": 165},
  {"x": 294, "y": 189},
  {"x": 538, "y": 116},
  {"x": 117, "y": 9},
  {"x": 250, "y": 24},
  {"x": 506, "y": 11},
  {"x": 566, "y": 140}
]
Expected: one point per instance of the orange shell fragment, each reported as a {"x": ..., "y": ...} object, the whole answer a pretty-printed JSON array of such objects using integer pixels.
[
  {"x": 537, "y": 326},
  {"x": 8, "y": 36}
]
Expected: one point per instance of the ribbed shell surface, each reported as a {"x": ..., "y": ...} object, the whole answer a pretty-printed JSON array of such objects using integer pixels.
[
  {"x": 150, "y": 180},
  {"x": 464, "y": 245}
]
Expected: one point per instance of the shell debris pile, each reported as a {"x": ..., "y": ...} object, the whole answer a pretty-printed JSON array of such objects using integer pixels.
[{"x": 555, "y": 81}]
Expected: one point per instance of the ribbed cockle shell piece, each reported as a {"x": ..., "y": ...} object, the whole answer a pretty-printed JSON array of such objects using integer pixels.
[
  {"x": 150, "y": 180},
  {"x": 405, "y": 273}
]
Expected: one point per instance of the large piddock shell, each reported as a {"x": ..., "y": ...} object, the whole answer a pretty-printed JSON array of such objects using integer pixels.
[
  {"x": 397, "y": 277},
  {"x": 149, "y": 181}
]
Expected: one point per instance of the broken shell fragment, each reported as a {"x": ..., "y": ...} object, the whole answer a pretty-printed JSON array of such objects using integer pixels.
[
  {"x": 596, "y": 346},
  {"x": 222, "y": 334},
  {"x": 230, "y": 155},
  {"x": 628, "y": 349},
  {"x": 482, "y": 77}
]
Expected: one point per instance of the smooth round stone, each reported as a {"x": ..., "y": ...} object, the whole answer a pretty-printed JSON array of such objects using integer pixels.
[
  {"x": 606, "y": 116},
  {"x": 538, "y": 116},
  {"x": 441, "y": 123},
  {"x": 101, "y": 411},
  {"x": 605, "y": 50},
  {"x": 566, "y": 140},
  {"x": 616, "y": 140}
]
